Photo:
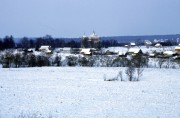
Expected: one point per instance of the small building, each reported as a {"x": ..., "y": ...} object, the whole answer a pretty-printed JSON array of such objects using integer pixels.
[
  {"x": 168, "y": 53},
  {"x": 177, "y": 49},
  {"x": 158, "y": 45},
  {"x": 30, "y": 50},
  {"x": 135, "y": 51},
  {"x": 122, "y": 54},
  {"x": 126, "y": 45},
  {"x": 147, "y": 43},
  {"x": 46, "y": 49},
  {"x": 86, "y": 51},
  {"x": 132, "y": 44},
  {"x": 108, "y": 52},
  {"x": 152, "y": 55}
]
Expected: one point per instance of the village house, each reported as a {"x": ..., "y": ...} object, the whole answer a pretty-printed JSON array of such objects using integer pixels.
[
  {"x": 132, "y": 44},
  {"x": 177, "y": 49},
  {"x": 86, "y": 51},
  {"x": 45, "y": 48},
  {"x": 168, "y": 53},
  {"x": 147, "y": 43},
  {"x": 158, "y": 45},
  {"x": 135, "y": 51},
  {"x": 122, "y": 54}
]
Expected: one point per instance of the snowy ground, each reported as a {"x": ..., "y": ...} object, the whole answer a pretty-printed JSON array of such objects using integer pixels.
[
  {"x": 82, "y": 93},
  {"x": 143, "y": 48}
]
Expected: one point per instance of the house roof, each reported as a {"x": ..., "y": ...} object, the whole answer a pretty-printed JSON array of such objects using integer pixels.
[
  {"x": 86, "y": 51},
  {"x": 45, "y": 46},
  {"x": 158, "y": 45},
  {"x": 177, "y": 48},
  {"x": 132, "y": 44},
  {"x": 168, "y": 52},
  {"x": 121, "y": 53},
  {"x": 134, "y": 50},
  {"x": 148, "y": 42}
]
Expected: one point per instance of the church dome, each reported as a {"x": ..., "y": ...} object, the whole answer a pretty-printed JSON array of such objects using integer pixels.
[{"x": 94, "y": 36}]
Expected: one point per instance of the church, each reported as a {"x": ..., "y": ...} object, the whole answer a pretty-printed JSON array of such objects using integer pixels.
[{"x": 92, "y": 41}]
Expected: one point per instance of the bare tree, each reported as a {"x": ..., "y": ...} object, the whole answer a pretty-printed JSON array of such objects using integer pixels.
[
  {"x": 120, "y": 75},
  {"x": 160, "y": 62},
  {"x": 57, "y": 60},
  {"x": 17, "y": 60},
  {"x": 139, "y": 73},
  {"x": 130, "y": 70}
]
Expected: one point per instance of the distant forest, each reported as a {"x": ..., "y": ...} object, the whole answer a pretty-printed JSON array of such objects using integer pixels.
[{"x": 9, "y": 42}]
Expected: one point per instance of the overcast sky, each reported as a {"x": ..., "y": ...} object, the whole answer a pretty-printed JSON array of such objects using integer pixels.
[{"x": 73, "y": 18}]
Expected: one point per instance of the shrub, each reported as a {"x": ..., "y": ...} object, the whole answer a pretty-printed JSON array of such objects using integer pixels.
[
  {"x": 57, "y": 60},
  {"x": 83, "y": 61},
  {"x": 71, "y": 60},
  {"x": 130, "y": 70}
]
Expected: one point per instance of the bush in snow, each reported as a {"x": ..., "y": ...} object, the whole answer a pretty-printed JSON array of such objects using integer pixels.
[
  {"x": 130, "y": 70},
  {"x": 33, "y": 115},
  {"x": 139, "y": 72},
  {"x": 91, "y": 61},
  {"x": 71, "y": 60},
  {"x": 83, "y": 61},
  {"x": 139, "y": 62},
  {"x": 110, "y": 79},
  {"x": 135, "y": 65},
  {"x": 120, "y": 75},
  {"x": 43, "y": 60},
  {"x": 57, "y": 60},
  {"x": 116, "y": 78},
  {"x": 32, "y": 60},
  {"x": 17, "y": 60},
  {"x": 119, "y": 62},
  {"x": 161, "y": 61},
  {"x": 7, "y": 59}
]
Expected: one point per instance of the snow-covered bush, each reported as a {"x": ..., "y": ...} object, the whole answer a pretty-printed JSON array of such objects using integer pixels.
[
  {"x": 110, "y": 78},
  {"x": 118, "y": 77},
  {"x": 72, "y": 61},
  {"x": 7, "y": 59},
  {"x": 57, "y": 60},
  {"x": 119, "y": 62}
]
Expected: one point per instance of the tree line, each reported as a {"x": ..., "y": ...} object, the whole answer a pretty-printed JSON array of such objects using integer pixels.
[{"x": 8, "y": 42}]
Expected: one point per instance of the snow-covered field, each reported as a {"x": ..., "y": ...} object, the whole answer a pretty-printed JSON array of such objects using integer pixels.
[
  {"x": 143, "y": 48},
  {"x": 79, "y": 92}
]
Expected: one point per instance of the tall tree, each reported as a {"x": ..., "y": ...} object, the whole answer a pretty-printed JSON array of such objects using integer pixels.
[
  {"x": 1, "y": 45},
  {"x": 8, "y": 42},
  {"x": 25, "y": 42}
]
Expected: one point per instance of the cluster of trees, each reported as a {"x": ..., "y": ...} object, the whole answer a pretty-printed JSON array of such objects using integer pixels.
[
  {"x": 9, "y": 59},
  {"x": 134, "y": 65},
  {"x": 25, "y": 42},
  {"x": 7, "y": 43}
]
